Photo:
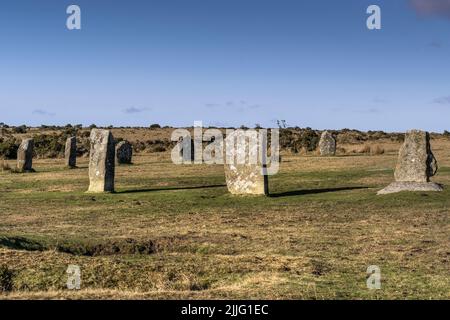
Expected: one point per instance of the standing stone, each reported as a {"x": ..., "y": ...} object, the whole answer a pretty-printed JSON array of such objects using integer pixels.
[
  {"x": 246, "y": 180},
  {"x": 101, "y": 161},
  {"x": 245, "y": 176},
  {"x": 186, "y": 149},
  {"x": 25, "y": 156},
  {"x": 124, "y": 152},
  {"x": 71, "y": 152},
  {"x": 416, "y": 164},
  {"x": 327, "y": 144}
]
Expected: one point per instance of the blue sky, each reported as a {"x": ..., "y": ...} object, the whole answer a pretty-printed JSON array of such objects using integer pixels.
[{"x": 227, "y": 62}]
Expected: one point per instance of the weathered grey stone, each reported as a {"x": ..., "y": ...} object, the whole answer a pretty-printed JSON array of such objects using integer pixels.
[
  {"x": 25, "y": 155},
  {"x": 327, "y": 144},
  {"x": 124, "y": 152},
  {"x": 101, "y": 161},
  {"x": 415, "y": 166},
  {"x": 244, "y": 173},
  {"x": 186, "y": 149},
  {"x": 71, "y": 152},
  {"x": 395, "y": 187},
  {"x": 416, "y": 162},
  {"x": 246, "y": 180}
]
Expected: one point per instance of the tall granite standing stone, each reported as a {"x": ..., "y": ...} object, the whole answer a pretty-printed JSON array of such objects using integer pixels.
[
  {"x": 71, "y": 152},
  {"x": 124, "y": 152},
  {"x": 101, "y": 161},
  {"x": 244, "y": 175},
  {"x": 186, "y": 149},
  {"x": 327, "y": 144},
  {"x": 25, "y": 156},
  {"x": 415, "y": 166},
  {"x": 416, "y": 162}
]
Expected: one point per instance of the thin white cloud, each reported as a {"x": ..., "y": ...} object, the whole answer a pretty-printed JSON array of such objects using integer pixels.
[
  {"x": 42, "y": 112},
  {"x": 133, "y": 110},
  {"x": 436, "y": 44},
  {"x": 442, "y": 100},
  {"x": 239, "y": 106}
]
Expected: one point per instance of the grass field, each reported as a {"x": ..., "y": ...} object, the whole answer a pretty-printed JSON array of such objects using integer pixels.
[{"x": 174, "y": 232}]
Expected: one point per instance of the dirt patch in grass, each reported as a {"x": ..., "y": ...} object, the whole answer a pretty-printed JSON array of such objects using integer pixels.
[
  {"x": 82, "y": 248},
  {"x": 320, "y": 267}
]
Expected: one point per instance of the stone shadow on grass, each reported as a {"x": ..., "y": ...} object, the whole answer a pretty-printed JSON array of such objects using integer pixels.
[
  {"x": 312, "y": 191},
  {"x": 171, "y": 189}
]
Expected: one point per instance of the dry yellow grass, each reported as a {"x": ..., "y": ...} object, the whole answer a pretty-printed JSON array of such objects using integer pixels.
[{"x": 312, "y": 239}]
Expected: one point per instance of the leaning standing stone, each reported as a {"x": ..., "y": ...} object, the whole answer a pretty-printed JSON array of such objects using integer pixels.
[
  {"x": 71, "y": 152},
  {"x": 25, "y": 156},
  {"x": 244, "y": 173},
  {"x": 101, "y": 161},
  {"x": 415, "y": 166},
  {"x": 124, "y": 152},
  {"x": 327, "y": 144}
]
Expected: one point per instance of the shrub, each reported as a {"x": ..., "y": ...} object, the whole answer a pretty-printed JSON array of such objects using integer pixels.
[
  {"x": 296, "y": 140},
  {"x": 20, "y": 129},
  {"x": 8, "y": 148},
  {"x": 6, "y": 279},
  {"x": 287, "y": 141},
  {"x": 398, "y": 137},
  {"x": 69, "y": 132},
  {"x": 156, "y": 145},
  {"x": 309, "y": 139},
  {"x": 158, "y": 149},
  {"x": 155, "y": 126},
  {"x": 49, "y": 146}
]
